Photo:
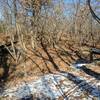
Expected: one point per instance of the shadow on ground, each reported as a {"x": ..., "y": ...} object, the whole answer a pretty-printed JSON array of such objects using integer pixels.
[{"x": 82, "y": 84}]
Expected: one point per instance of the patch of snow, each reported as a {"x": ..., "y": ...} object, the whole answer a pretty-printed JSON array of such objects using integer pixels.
[
  {"x": 80, "y": 62},
  {"x": 53, "y": 86},
  {"x": 79, "y": 65}
]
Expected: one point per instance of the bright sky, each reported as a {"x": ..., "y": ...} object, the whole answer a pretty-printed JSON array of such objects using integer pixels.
[
  {"x": 66, "y": 1},
  {"x": 0, "y": 10}
]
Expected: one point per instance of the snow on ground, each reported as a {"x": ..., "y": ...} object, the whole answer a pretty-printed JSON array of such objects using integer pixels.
[
  {"x": 69, "y": 85},
  {"x": 55, "y": 85},
  {"x": 80, "y": 62}
]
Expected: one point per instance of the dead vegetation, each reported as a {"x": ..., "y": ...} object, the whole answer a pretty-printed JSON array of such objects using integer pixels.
[{"x": 39, "y": 37}]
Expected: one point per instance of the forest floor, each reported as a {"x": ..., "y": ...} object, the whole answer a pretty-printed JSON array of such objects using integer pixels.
[{"x": 54, "y": 74}]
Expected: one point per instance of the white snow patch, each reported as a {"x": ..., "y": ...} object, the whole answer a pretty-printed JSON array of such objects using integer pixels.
[
  {"x": 51, "y": 85},
  {"x": 78, "y": 65}
]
